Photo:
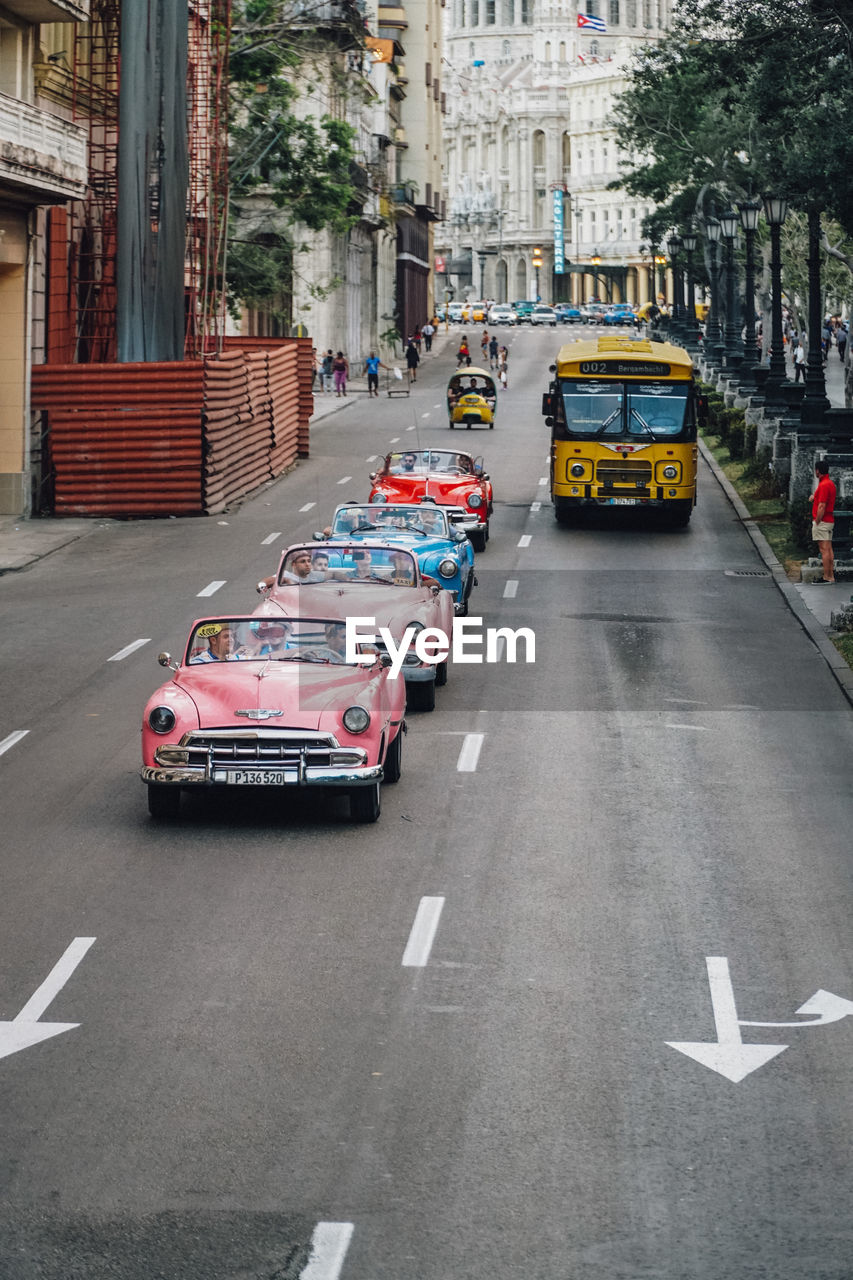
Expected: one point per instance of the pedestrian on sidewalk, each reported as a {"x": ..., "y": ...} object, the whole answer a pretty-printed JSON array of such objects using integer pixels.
[
  {"x": 428, "y": 330},
  {"x": 326, "y": 367},
  {"x": 412, "y": 361},
  {"x": 841, "y": 340},
  {"x": 823, "y": 518},
  {"x": 372, "y": 365},
  {"x": 799, "y": 361},
  {"x": 417, "y": 338},
  {"x": 340, "y": 369}
]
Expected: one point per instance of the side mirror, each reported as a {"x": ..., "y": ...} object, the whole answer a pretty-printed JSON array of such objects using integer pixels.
[
  {"x": 261, "y": 588},
  {"x": 165, "y": 660},
  {"x": 547, "y": 404},
  {"x": 372, "y": 475},
  {"x": 318, "y": 535},
  {"x": 385, "y": 660}
]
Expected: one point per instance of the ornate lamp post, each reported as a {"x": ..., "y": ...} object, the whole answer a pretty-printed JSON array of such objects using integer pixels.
[
  {"x": 660, "y": 263},
  {"x": 733, "y": 353},
  {"x": 713, "y": 332},
  {"x": 689, "y": 240},
  {"x": 674, "y": 244},
  {"x": 776, "y": 211},
  {"x": 749, "y": 211},
  {"x": 815, "y": 402}
]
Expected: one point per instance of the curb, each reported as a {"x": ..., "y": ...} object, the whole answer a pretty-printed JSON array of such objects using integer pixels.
[{"x": 815, "y": 630}]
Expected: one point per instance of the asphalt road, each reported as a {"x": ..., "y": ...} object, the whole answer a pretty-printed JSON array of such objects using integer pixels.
[{"x": 648, "y": 842}]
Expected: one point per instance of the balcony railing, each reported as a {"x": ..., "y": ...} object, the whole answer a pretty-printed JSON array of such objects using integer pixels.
[{"x": 40, "y": 151}]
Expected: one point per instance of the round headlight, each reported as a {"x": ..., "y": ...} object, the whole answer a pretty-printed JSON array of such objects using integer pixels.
[
  {"x": 379, "y": 497},
  {"x": 447, "y": 568},
  {"x": 356, "y": 719},
  {"x": 670, "y": 472},
  {"x": 475, "y": 501},
  {"x": 161, "y": 719},
  {"x": 577, "y": 469}
]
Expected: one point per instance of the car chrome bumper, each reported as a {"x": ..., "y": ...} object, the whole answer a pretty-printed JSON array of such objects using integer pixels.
[{"x": 309, "y": 776}]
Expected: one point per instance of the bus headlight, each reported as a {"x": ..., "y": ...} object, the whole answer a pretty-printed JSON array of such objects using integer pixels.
[
  {"x": 670, "y": 472},
  {"x": 577, "y": 469}
]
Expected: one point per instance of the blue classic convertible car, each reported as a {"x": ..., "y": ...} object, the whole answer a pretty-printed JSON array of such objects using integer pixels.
[{"x": 443, "y": 549}]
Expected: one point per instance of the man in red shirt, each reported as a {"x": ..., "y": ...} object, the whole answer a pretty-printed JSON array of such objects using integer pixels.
[{"x": 823, "y": 518}]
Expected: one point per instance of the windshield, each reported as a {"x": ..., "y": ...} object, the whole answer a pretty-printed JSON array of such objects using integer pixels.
[
  {"x": 654, "y": 410},
  {"x": 389, "y": 519},
  {"x": 421, "y": 462},
  {"x": 220, "y": 640},
  {"x": 351, "y": 564}
]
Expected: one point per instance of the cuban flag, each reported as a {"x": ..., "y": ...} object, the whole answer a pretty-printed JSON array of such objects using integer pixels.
[{"x": 587, "y": 22}]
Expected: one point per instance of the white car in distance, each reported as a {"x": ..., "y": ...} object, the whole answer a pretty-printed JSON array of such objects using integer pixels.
[
  {"x": 543, "y": 315},
  {"x": 502, "y": 314}
]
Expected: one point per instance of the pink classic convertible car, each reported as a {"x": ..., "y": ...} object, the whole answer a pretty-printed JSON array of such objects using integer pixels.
[
  {"x": 262, "y": 702},
  {"x": 367, "y": 579}
]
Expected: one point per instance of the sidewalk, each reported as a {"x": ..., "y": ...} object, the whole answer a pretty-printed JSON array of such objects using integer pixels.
[{"x": 326, "y": 402}]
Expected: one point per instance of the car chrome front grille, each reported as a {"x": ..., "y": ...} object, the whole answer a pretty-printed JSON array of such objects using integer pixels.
[{"x": 228, "y": 746}]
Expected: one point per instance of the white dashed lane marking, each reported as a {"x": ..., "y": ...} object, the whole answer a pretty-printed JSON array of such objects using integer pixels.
[
  {"x": 128, "y": 650},
  {"x": 525, "y": 540},
  {"x": 308, "y": 506},
  {"x": 543, "y": 480},
  {"x": 394, "y": 440},
  {"x": 343, "y": 480},
  {"x": 536, "y": 506},
  {"x": 329, "y": 1245},
  {"x": 470, "y": 753},
  {"x": 372, "y": 457},
  {"x": 423, "y": 933},
  {"x": 274, "y": 537},
  {"x": 11, "y": 739},
  {"x": 510, "y": 589},
  {"x": 211, "y": 588}
]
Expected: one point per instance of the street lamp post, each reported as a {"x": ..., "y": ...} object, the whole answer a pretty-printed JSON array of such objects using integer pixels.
[
  {"x": 596, "y": 263},
  {"x": 537, "y": 266},
  {"x": 733, "y": 353},
  {"x": 815, "y": 402},
  {"x": 674, "y": 244},
  {"x": 776, "y": 211},
  {"x": 749, "y": 211},
  {"x": 689, "y": 240},
  {"x": 713, "y": 332}
]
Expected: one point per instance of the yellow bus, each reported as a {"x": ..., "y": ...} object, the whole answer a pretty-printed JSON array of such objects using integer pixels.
[{"x": 622, "y": 414}]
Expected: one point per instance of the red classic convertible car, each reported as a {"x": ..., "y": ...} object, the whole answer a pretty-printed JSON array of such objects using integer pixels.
[
  {"x": 444, "y": 476},
  {"x": 367, "y": 579},
  {"x": 273, "y": 703}
]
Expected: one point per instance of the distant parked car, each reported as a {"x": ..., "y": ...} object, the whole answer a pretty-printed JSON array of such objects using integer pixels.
[
  {"x": 502, "y": 313},
  {"x": 619, "y": 314},
  {"x": 454, "y": 312},
  {"x": 544, "y": 315},
  {"x": 523, "y": 309},
  {"x": 567, "y": 314}
]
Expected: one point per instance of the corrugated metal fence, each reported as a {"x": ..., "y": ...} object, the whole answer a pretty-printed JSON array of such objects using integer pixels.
[{"x": 183, "y": 438}]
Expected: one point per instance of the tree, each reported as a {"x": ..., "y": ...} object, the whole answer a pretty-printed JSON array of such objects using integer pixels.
[{"x": 290, "y": 169}]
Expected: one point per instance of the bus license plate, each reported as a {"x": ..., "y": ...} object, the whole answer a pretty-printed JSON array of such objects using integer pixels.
[
  {"x": 624, "y": 502},
  {"x": 250, "y": 777}
]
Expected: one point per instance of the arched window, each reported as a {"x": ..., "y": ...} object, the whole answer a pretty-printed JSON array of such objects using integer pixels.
[
  {"x": 593, "y": 48},
  {"x": 631, "y": 13},
  {"x": 567, "y": 151},
  {"x": 547, "y": 50},
  {"x": 504, "y": 147},
  {"x": 539, "y": 149},
  {"x": 614, "y": 13},
  {"x": 506, "y": 50},
  {"x": 562, "y": 51}
]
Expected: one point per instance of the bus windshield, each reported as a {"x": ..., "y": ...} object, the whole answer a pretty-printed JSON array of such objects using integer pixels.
[{"x": 598, "y": 409}]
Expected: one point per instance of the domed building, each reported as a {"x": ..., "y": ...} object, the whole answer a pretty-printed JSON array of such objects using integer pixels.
[{"x": 528, "y": 151}]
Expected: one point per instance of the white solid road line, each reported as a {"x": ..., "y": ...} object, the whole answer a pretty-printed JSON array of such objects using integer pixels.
[
  {"x": 470, "y": 753},
  {"x": 212, "y": 588},
  {"x": 129, "y": 649},
  {"x": 308, "y": 506},
  {"x": 12, "y": 739},
  {"x": 510, "y": 589},
  {"x": 700, "y": 728},
  {"x": 525, "y": 540},
  {"x": 274, "y": 537},
  {"x": 329, "y": 1244},
  {"x": 423, "y": 933},
  {"x": 344, "y": 480}
]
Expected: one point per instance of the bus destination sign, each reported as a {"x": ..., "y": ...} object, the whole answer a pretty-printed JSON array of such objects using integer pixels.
[{"x": 625, "y": 368}]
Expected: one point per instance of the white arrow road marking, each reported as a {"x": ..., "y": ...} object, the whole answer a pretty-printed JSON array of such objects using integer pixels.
[
  {"x": 26, "y": 1030},
  {"x": 423, "y": 932},
  {"x": 211, "y": 588},
  {"x": 12, "y": 739},
  {"x": 470, "y": 753},
  {"x": 729, "y": 1056},
  {"x": 329, "y": 1244},
  {"x": 828, "y": 1007},
  {"x": 274, "y": 537},
  {"x": 128, "y": 650}
]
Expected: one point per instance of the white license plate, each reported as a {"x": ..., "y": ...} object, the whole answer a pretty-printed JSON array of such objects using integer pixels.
[
  {"x": 624, "y": 502},
  {"x": 250, "y": 777}
]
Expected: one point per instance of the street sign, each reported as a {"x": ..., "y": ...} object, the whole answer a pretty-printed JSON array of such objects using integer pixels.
[
  {"x": 728, "y": 1055},
  {"x": 440, "y": 267},
  {"x": 559, "y": 250}
]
